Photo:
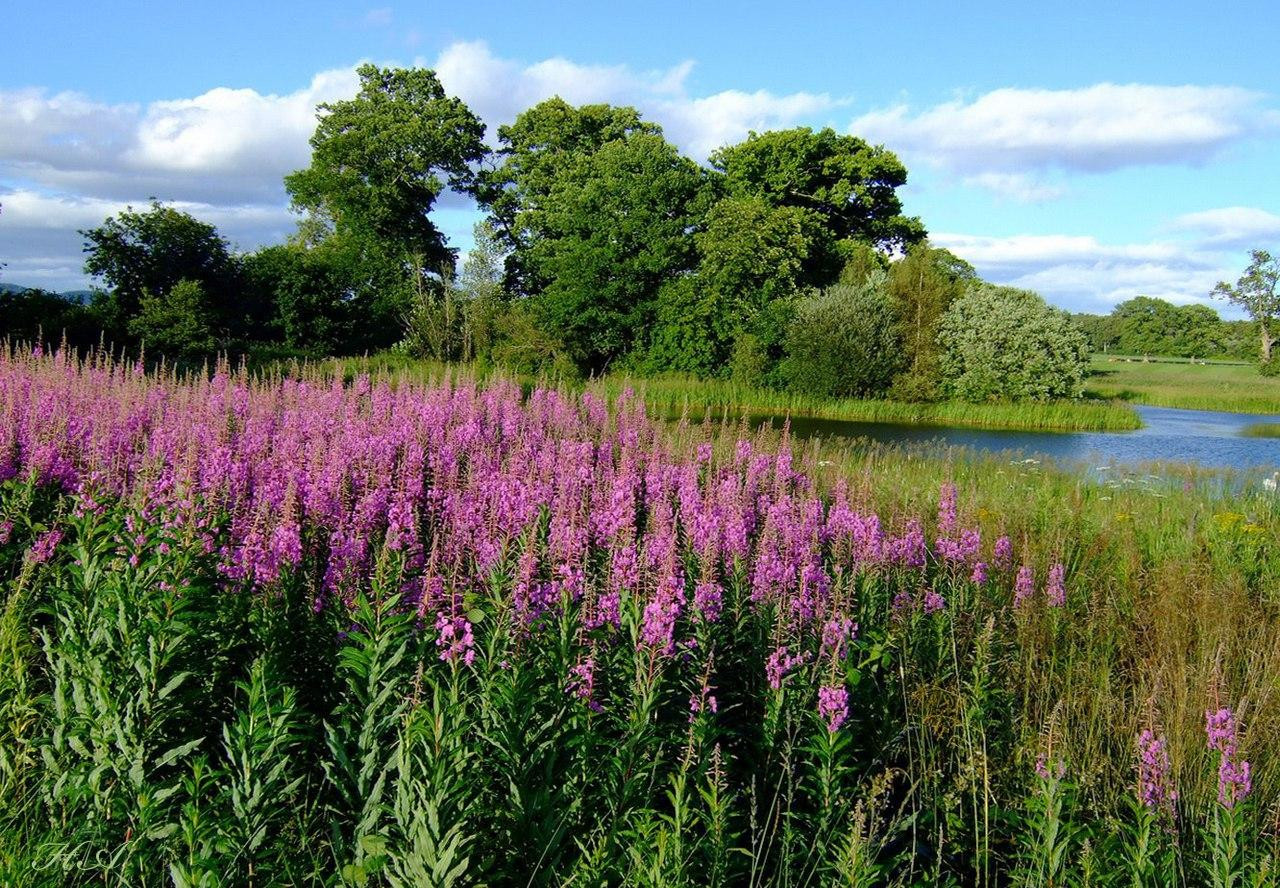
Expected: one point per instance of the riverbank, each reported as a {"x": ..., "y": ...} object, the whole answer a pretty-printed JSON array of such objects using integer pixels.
[
  {"x": 675, "y": 396},
  {"x": 1166, "y": 382}
]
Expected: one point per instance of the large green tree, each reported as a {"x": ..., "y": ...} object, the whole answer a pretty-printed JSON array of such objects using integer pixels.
[
  {"x": 149, "y": 252},
  {"x": 380, "y": 162},
  {"x": 846, "y": 188},
  {"x": 1257, "y": 291},
  {"x": 597, "y": 208}
]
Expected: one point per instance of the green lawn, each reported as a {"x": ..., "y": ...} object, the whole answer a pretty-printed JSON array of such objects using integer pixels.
[{"x": 1166, "y": 383}]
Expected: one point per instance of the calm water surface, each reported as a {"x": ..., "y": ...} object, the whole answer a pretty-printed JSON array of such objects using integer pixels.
[{"x": 1206, "y": 438}]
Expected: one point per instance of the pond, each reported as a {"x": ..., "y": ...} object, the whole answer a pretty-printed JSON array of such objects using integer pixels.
[{"x": 1201, "y": 437}]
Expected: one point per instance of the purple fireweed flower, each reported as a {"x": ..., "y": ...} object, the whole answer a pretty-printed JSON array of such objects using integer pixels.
[
  {"x": 979, "y": 575},
  {"x": 779, "y": 664},
  {"x": 836, "y": 633},
  {"x": 1003, "y": 556},
  {"x": 1056, "y": 591},
  {"x": 703, "y": 701},
  {"x": 933, "y": 601},
  {"x": 582, "y": 683},
  {"x": 833, "y": 706},
  {"x": 1024, "y": 587},
  {"x": 1155, "y": 774},
  {"x": 1235, "y": 780},
  {"x": 455, "y": 640},
  {"x": 6, "y": 531},
  {"x": 708, "y": 600},
  {"x": 42, "y": 549},
  {"x": 946, "y": 509}
]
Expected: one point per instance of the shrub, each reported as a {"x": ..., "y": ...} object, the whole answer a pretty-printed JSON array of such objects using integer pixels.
[
  {"x": 844, "y": 341},
  {"x": 177, "y": 324},
  {"x": 1000, "y": 343}
]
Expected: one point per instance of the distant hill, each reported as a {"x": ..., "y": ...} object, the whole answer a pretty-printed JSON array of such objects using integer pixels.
[{"x": 81, "y": 297}]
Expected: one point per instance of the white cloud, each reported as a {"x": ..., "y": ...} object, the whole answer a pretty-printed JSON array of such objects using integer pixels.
[
  {"x": 1242, "y": 227},
  {"x": 498, "y": 89},
  {"x": 1031, "y": 132},
  {"x": 1081, "y": 274}
]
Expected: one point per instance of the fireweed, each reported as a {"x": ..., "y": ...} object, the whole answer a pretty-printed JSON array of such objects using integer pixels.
[{"x": 558, "y": 560}]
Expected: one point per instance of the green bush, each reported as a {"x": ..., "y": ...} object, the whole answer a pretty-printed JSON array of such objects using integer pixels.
[
  {"x": 1000, "y": 343},
  {"x": 844, "y": 341}
]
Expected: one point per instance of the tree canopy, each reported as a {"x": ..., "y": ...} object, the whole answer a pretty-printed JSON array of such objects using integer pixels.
[
  {"x": 846, "y": 188},
  {"x": 380, "y": 161},
  {"x": 148, "y": 252}
]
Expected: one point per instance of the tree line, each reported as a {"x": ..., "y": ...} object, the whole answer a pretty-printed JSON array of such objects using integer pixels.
[{"x": 786, "y": 261}]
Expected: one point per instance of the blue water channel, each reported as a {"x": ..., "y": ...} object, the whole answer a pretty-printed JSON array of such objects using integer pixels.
[{"x": 1205, "y": 438}]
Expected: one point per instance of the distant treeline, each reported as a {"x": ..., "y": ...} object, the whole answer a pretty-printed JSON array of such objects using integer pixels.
[{"x": 1147, "y": 326}]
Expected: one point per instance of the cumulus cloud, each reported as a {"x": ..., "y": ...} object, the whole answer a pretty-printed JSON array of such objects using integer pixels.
[
  {"x": 1029, "y": 133},
  {"x": 1226, "y": 227},
  {"x": 1082, "y": 274},
  {"x": 499, "y": 88}
]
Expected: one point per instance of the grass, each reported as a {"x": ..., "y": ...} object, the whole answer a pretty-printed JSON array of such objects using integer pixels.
[
  {"x": 674, "y": 396},
  {"x": 1236, "y": 388},
  {"x": 1262, "y": 430}
]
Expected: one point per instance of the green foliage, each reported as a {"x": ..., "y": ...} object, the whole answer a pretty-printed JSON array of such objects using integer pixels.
[
  {"x": 844, "y": 341},
  {"x": 597, "y": 209},
  {"x": 308, "y": 295},
  {"x": 176, "y": 325},
  {"x": 31, "y": 315},
  {"x": 381, "y": 160},
  {"x": 922, "y": 285},
  {"x": 999, "y": 343},
  {"x": 135, "y": 253},
  {"x": 1257, "y": 291},
  {"x": 845, "y": 188}
]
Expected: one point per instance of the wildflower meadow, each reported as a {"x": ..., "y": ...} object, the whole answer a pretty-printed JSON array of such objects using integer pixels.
[{"x": 301, "y": 629}]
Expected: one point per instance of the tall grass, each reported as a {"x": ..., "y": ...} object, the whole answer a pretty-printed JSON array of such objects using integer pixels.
[
  {"x": 672, "y": 396},
  {"x": 297, "y": 633}
]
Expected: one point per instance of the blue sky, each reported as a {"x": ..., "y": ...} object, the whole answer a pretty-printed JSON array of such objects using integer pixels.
[{"x": 1091, "y": 152}]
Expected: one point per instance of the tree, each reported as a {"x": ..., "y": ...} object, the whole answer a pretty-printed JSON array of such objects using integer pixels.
[
  {"x": 844, "y": 341},
  {"x": 846, "y": 188},
  {"x": 597, "y": 208},
  {"x": 1257, "y": 291},
  {"x": 135, "y": 253},
  {"x": 177, "y": 324},
  {"x": 381, "y": 160},
  {"x": 922, "y": 285},
  {"x": 308, "y": 294},
  {"x": 750, "y": 255},
  {"x": 1000, "y": 343}
]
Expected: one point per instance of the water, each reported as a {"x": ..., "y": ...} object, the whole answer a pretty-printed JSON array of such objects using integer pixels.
[{"x": 1202, "y": 437}]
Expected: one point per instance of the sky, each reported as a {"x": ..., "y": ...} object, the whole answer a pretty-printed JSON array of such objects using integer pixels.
[{"x": 1091, "y": 151}]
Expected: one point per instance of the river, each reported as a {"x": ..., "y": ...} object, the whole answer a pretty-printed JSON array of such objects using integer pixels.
[{"x": 1202, "y": 437}]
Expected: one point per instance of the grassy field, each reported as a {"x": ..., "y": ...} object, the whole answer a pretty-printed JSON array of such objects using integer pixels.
[{"x": 1213, "y": 386}]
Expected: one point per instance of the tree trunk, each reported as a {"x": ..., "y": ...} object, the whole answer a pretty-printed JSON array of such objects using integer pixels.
[{"x": 1267, "y": 341}]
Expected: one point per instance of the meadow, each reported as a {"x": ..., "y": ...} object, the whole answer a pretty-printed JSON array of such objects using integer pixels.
[
  {"x": 1168, "y": 382},
  {"x": 301, "y": 630}
]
